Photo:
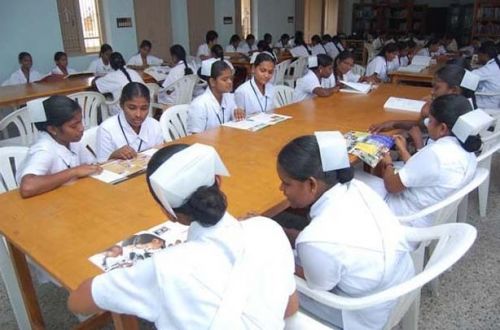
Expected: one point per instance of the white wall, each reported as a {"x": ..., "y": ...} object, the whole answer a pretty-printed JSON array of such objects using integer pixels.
[
  {"x": 272, "y": 17},
  {"x": 40, "y": 33},
  {"x": 180, "y": 28},
  {"x": 224, "y": 8}
]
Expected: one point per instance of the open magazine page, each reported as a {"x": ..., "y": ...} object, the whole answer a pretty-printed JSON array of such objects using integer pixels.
[
  {"x": 140, "y": 246},
  {"x": 258, "y": 122},
  {"x": 370, "y": 148}
]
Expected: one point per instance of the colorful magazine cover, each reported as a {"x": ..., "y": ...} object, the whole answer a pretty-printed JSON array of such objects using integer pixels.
[{"x": 370, "y": 148}]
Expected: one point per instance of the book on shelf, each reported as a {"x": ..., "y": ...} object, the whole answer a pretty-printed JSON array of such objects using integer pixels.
[
  {"x": 370, "y": 148},
  {"x": 257, "y": 122},
  {"x": 402, "y": 104}
]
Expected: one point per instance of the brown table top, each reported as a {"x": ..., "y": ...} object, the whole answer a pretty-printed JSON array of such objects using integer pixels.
[
  {"x": 62, "y": 228},
  {"x": 17, "y": 95}
]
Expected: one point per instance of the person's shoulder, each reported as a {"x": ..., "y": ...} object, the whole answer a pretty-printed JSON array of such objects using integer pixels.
[
  {"x": 109, "y": 124},
  {"x": 263, "y": 227},
  {"x": 43, "y": 143},
  {"x": 151, "y": 122},
  {"x": 243, "y": 87}
]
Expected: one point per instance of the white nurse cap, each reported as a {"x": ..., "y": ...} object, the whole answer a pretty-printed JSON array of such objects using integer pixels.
[
  {"x": 471, "y": 123},
  {"x": 206, "y": 66},
  {"x": 179, "y": 177},
  {"x": 470, "y": 80},
  {"x": 254, "y": 56},
  {"x": 333, "y": 150},
  {"x": 312, "y": 62},
  {"x": 36, "y": 110}
]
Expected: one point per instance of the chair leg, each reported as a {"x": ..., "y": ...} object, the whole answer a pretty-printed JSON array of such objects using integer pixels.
[
  {"x": 410, "y": 319},
  {"x": 483, "y": 190},
  {"x": 434, "y": 286},
  {"x": 462, "y": 209}
]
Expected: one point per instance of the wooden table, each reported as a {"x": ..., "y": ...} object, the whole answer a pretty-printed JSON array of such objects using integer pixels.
[
  {"x": 61, "y": 229},
  {"x": 425, "y": 76},
  {"x": 17, "y": 95}
]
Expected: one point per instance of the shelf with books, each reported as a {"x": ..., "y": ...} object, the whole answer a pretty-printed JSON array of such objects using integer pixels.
[{"x": 486, "y": 21}]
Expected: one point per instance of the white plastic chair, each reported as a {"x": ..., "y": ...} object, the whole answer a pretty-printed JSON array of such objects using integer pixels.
[
  {"x": 453, "y": 241},
  {"x": 302, "y": 321},
  {"x": 91, "y": 103},
  {"x": 21, "y": 120},
  {"x": 173, "y": 122},
  {"x": 296, "y": 70},
  {"x": 491, "y": 144},
  {"x": 283, "y": 95},
  {"x": 183, "y": 88},
  {"x": 154, "y": 89},
  {"x": 89, "y": 139},
  {"x": 358, "y": 69},
  {"x": 10, "y": 159},
  {"x": 279, "y": 72}
]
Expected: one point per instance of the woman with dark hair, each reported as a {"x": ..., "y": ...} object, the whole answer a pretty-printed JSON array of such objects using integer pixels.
[
  {"x": 317, "y": 45},
  {"x": 57, "y": 157},
  {"x": 216, "y": 105},
  {"x": 312, "y": 84},
  {"x": 203, "y": 52},
  {"x": 353, "y": 244},
  {"x": 143, "y": 58},
  {"x": 101, "y": 65},
  {"x": 300, "y": 48},
  {"x": 249, "y": 46},
  {"x": 114, "y": 81},
  {"x": 489, "y": 77},
  {"x": 61, "y": 68},
  {"x": 433, "y": 48},
  {"x": 179, "y": 69},
  {"x": 131, "y": 131},
  {"x": 234, "y": 44},
  {"x": 379, "y": 65},
  {"x": 342, "y": 69},
  {"x": 26, "y": 74},
  {"x": 438, "y": 169},
  {"x": 229, "y": 274},
  {"x": 283, "y": 42}
]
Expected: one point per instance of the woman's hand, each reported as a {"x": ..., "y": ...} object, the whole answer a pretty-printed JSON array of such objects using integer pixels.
[
  {"x": 86, "y": 170},
  {"x": 239, "y": 114},
  {"x": 416, "y": 135},
  {"x": 400, "y": 142},
  {"x": 125, "y": 152},
  {"x": 381, "y": 127}
]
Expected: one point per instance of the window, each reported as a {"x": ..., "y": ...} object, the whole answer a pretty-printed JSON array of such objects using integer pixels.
[{"x": 80, "y": 26}]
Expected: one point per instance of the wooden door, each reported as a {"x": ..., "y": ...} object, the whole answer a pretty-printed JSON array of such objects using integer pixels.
[
  {"x": 153, "y": 22},
  {"x": 200, "y": 20}
]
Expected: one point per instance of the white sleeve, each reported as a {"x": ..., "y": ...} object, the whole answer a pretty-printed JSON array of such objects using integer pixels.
[
  {"x": 38, "y": 162},
  {"x": 133, "y": 61},
  {"x": 133, "y": 291},
  {"x": 310, "y": 85},
  {"x": 153, "y": 60},
  {"x": 105, "y": 145},
  {"x": 197, "y": 121},
  {"x": 200, "y": 51},
  {"x": 375, "y": 66},
  {"x": 239, "y": 97},
  {"x": 105, "y": 84},
  {"x": 412, "y": 173},
  {"x": 320, "y": 271}
]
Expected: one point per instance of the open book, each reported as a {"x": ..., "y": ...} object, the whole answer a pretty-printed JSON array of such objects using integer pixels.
[
  {"x": 257, "y": 122},
  {"x": 401, "y": 104},
  {"x": 418, "y": 63},
  {"x": 370, "y": 148},
  {"x": 354, "y": 87},
  {"x": 119, "y": 170},
  {"x": 159, "y": 73},
  {"x": 140, "y": 246},
  {"x": 79, "y": 74}
]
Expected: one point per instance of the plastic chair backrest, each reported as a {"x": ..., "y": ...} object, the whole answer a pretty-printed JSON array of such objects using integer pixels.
[
  {"x": 154, "y": 89},
  {"x": 283, "y": 95},
  {"x": 183, "y": 88},
  {"x": 21, "y": 120},
  {"x": 91, "y": 103},
  {"x": 358, "y": 69},
  {"x": 453, "y": 241},
  {"x": 89, "y": 138},
  {"x": 279, "y": 72},
  {"x": 442, "y": 210},
  {"x": 301, "y": 321},
  {"x": 491, "y": 144},
  {"x": 173, "y": 122},
  {"x": 10, "y": 159}
]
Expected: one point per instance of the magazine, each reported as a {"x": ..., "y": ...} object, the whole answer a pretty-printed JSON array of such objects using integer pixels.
[
  {"x": 257, "y": 122},
  {"x": 370, "y": 148},
  {"x": 140, "y": 246}
]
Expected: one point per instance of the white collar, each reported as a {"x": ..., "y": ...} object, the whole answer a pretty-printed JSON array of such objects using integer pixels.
[
  {"x": 267, "y": 91},
  {"x": 129, "y": 130},
  {"x": 222, "y": 104},
  {"x": 197, "y": 232},
  {"x": 66, "y": 154}
]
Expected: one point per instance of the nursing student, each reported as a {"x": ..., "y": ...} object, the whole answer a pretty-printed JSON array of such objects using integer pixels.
[
  {"x": 320, "y": 68},
  {"x": 216, "y": 105},
  {"x": 300, "y": 48},
  {"x": 317, "y": 45},
  {"x": 26, "y": 74},
  {"x": 449, "y": 80},
  {"x": 178, "y": 70},
  {"x": 101, "y": 65},
  {"x": 437, "y": 170},
  {"x": 234, "y": 44},
  {"x": 257, "y": 94},
  {"x": 57, "y": 157},
  {"x": 342, "y": 69},
  {"x": 433, "y": 49},
  {"x": 284, "y": 42},
  {"x": 249, "y": 46},
  {"x": 203, "y": 52},
  {"x": 379, "y": 65},
  {"x": 61, "y": 68},
  {"x": 489, "y": 77},
  {"x": 229, "y": 274},
  {"x": 114, "y": 81},
  {"x": 131, "y": 131},
  {"x": 353, "y": 245},
  {"x": 143, "y": 58}
]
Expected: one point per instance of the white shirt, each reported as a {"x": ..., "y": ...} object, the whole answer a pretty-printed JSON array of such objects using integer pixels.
[
  {"x": 299, "y": 51},
  {"x": 244, "y": 48},
  {"x": 393, "y": 65},
  {"x": 203, "y": 50},
  {"x": 98, "y": 67},
  {"x": 331, "y": 49},
  {"x": 46, "y": 156},
  {"x": 114, "y": 82},
  {"x": 175, "y": 73},
  {"x": 351, "y": 77},
  {"x": 115, "y": 132},
  {"x": 377, "y": 44},
  {"x": 430, "y": 175},
  {"x": 354, "y": 246},
  {"x": 279, "y": 44},
  {"x": 489, "y": 75},
  {"x": 18, "y": 77},
  {"x": 57, "y": 70},
  {"x": 305, "y": 87},
  {"x": 183, "y": 286},
  {"x": 150, "y": 60},
  {"x": 231, "y": 49},
  {"x": 205, "y": 112},
  {"x": 318, "y": 49},
  {"x": 328, "y": 82},
  {"x": 379, "y": 66},
  {"x": 248, "y": 97}
]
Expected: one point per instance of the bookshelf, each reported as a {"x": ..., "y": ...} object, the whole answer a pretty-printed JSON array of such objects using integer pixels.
[
  {"x": 392, "y": 17},
  {"x": 486, "y": 23}
]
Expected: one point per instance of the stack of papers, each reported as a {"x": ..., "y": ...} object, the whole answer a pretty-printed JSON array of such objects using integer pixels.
[
  {"x": 257, "y": 122},
  {"x": 401, "y": 104},
  {"x": 353, "y": 87}
]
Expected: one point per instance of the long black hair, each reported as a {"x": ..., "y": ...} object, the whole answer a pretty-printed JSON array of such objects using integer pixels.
[
  {"x": 59, "y": 109},
  {"x": 452, "y": 74},
  {"x": 105, "y": 48},
  {"x": 299, "y": 41},
  {"x": 389, "y": 48},
  {"x": 206, "y": 205},
  {"x": 117, "y": 62},
  {"x": 301, "y": 160},
  {"x": 447, "y": 109},
  {"x": 216, "y": 70},
  {"x": 343, "y": 55},
  {"x": 180, "y": 53}
]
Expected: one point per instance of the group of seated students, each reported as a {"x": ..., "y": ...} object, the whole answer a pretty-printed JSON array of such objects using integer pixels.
[{"x": 240, "y": 274}]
